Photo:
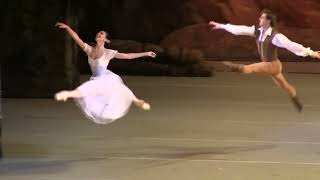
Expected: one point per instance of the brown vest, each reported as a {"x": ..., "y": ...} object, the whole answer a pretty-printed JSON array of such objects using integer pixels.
[{"x": 267, "y": 51}]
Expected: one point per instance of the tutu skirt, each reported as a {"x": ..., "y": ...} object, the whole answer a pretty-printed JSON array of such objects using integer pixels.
[{"x": 105, "y": 98}]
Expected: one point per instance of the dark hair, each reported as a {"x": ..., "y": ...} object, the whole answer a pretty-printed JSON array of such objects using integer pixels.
[
  {"x": 270, "y": 16},
  {"x": 107, "y": 37}
]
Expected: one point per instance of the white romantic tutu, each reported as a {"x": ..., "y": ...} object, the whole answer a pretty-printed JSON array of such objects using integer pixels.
[{"x": 105, "y": 98}]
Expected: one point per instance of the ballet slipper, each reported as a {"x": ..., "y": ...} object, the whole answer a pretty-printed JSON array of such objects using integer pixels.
[{"x": 61, "y": 96}]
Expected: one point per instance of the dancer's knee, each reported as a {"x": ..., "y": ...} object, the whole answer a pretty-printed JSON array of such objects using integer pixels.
[{"x": 246, "y": 70}]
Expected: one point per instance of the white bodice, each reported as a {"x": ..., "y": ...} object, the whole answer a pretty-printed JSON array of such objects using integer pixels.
[{"x": 104, "y": 60}]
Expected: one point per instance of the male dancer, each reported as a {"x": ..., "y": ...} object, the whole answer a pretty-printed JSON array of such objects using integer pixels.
[{"x": 267, "y": 39}]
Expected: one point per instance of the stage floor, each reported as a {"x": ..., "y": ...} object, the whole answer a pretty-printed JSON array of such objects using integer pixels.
[{"x": 228, "y": 127}]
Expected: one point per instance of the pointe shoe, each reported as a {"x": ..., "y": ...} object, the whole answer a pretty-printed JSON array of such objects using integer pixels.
[
  {"x": 61, "y": 96},
  {"x": 146, "y": 106},
  {"x": 143, "y": 105}
]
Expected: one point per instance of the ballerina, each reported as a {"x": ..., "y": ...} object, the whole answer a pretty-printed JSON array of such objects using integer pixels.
[
  {"x": 268, "y": 39},
  {"x": 104, "y": 98}
]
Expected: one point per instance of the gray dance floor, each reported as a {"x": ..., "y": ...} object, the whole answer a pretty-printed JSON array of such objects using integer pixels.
[{"x": 228, "y": 127}]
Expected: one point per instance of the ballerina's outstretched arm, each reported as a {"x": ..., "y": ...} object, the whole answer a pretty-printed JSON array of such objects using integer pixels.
[
  {"x": 135, "y": 55},
  {"x": 72, "y": 33}
]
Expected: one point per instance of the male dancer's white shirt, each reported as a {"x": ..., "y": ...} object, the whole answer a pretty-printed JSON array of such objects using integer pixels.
[{"x": 279, "y": 39}]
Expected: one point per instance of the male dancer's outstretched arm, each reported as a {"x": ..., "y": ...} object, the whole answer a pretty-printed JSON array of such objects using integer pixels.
[
  {"x": 234, "y": 29},
  {"x": 279, "y": 39},
  {"x": 282, "y": 41}
]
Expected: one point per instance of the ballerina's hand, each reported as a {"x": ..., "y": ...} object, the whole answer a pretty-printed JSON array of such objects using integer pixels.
[
  {"x": 61, "y": 25},
  {"x": 315, "y": 54},
  {"x": 215, "y": 25},
  {"x": 151, "y": 54}
]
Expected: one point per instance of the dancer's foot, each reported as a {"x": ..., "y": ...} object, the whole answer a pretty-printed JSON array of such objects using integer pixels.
[
  {"x": 233, "y": 67},
  {"x": 297, "y": 104},
  {"x": 143, "y": 105},
  {"x": 61, "y": 96}
]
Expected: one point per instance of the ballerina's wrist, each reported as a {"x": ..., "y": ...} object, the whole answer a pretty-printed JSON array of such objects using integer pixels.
[
  {"x": 223, "y": 26},
  {"x": 308, "y": 52}
]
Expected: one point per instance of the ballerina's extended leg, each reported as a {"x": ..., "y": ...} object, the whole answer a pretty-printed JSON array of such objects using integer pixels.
[
  {"x": 141, "y": 103},
  {"x": 64, "y": 95}
]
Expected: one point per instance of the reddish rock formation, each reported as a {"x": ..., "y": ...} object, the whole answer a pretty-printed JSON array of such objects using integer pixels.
[{"x": 220, "y": 44}]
